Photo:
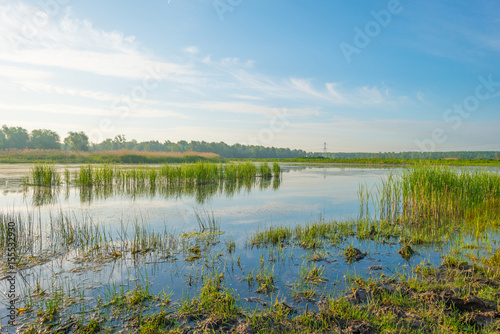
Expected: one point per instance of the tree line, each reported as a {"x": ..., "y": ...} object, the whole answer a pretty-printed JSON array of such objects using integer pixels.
[
  {"x": 461, "y": 155},
  {"x": 19, "y": 138}
]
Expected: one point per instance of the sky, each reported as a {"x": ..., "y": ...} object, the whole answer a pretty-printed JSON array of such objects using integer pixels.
[{"x": 362, "y": 76}]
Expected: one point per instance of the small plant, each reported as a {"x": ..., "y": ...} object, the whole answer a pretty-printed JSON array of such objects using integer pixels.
[
  {"x": 353, "y": 254},
  {"x": 424, "y": 269},
  {"x": 313, "y": 273},
  {"x": 494, "y": 260},
  {"x": 213, "y": 300},
  {"x": 406, "y": 252},
  {"x": 264, "y": 278},
  {"x": 231, "y": 246}
]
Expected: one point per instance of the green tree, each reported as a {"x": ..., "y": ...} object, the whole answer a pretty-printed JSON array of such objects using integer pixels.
[
  {"x": 2, "y": 139},
  {"x": 15, "y": 137},
  {"x": 44, "y": 139},
  {"x": 77, "y": 141}
]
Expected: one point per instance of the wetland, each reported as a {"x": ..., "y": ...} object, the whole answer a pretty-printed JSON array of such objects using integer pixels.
[{"x": 251, "y": 248}]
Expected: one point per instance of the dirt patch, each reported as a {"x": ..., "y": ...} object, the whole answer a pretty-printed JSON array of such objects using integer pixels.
[{"x": 362, "y": 327}]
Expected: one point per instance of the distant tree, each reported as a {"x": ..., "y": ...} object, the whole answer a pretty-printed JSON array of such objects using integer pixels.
[
  {"x": 2, "y": 139},
  {"x": 77, "y": 141},
  {"x": 44, "y": 139},
  {"x": 119, "y": 142},
  {"x": 15, "y": 137}
]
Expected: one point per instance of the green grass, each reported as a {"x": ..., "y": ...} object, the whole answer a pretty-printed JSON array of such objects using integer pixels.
[
  {"x": 264, "y": 278},
  {"x": 309, "y": 236},
  {"x": 312, "y": 273},
  {"x": 213, "y": 300},
  {"x": 454, "y": 204},
  {"x": 42, "y": 175},
  {"x": 389, "y": 162},
  {"x": 200, "y": 173},
  {"x": 431, "y": 204},
  {"x": 109, "y": 157}
]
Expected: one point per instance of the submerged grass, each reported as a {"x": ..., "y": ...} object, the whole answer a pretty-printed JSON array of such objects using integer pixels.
[{"x": 309, "y": 236}]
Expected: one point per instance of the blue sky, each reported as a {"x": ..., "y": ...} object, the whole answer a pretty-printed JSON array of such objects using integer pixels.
[{"x": 364, "y": 76}]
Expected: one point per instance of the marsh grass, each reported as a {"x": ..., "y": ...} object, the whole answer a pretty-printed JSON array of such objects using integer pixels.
[
  {"x": 213, "y": 300},
  {"x": 276, "y": 169},
  {"x": 432, "y": 194},
  {"x": 310, "y": 236},
  {"x": 42, "y": 175},
  {"x": 265, "y": 171},
  {"x": 83, "y": 238},
  {"x": 264, "y": 278},
  {"x": 199, "y": 173},
  {"x": 392, "y": 307},
  {"x": 312, "y": 273}
]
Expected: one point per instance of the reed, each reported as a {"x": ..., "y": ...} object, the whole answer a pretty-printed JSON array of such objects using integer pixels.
[
  {"x": 200, "y": 173},
  {"x": 265, "y": 171},
  {"x": 308, "y": 236},
  {"x": 432, "y": 194},
  {"x": 43, "y": 175},
  {"x": 276, "y": 169}
]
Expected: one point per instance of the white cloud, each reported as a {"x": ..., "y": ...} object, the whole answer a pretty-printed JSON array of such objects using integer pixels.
[
  {"x": 19, "y": 73},
  {"x": 75, "y": 44},
  {"x": 40, "y": 87},
  {"x": 66, "y": 109},
  {"x": 191, "y": 49},
  {"x": 247, "y": 97}
]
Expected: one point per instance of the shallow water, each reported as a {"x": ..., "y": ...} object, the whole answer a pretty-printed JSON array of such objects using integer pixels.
[{"x": 305, "y": 193}]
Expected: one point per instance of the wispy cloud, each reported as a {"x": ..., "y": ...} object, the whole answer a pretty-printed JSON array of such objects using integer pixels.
[
  {"x": 74, "y": 44},
  {"x": 69, "y": 109},
  {"x": 17, "y": 73}
]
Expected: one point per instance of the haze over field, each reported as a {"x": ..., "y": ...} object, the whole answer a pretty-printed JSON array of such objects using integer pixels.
[{"x": 360, "y": 75}]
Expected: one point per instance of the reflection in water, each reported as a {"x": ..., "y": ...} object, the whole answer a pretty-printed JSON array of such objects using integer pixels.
[{"x": 41, "y": 196}]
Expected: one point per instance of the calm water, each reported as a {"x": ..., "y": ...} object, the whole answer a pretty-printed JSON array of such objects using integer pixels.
[{"x": 305, "y": 193}]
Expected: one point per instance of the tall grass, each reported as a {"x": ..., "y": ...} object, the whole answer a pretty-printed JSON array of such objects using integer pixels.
[
  {"x": 276, "y": 169},
  {"x": 431, "y": 194},
  {"x": 200, "y": 173},
  {"x": 265, "y": 171},
  {"x": 117, "y": 156},
  {"x": 308, "y": 236},
  {"x": 66, "y": 234},
  {"x": 43, "y": 175}
]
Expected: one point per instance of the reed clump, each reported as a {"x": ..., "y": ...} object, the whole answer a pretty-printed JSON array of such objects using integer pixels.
[
  {"x": 199, "y": 173},
  {"x": 43, "y": 175},
  {"x": 433, "y": 194},
  {"x": 309, "y": 236}
]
